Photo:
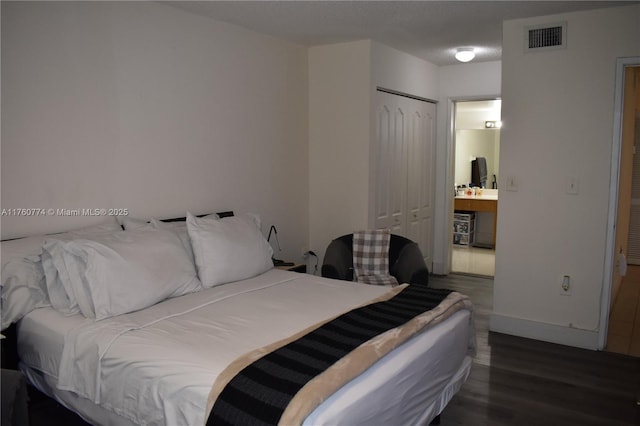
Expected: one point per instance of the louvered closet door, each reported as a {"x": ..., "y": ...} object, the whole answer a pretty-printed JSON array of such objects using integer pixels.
[{"x": 404, "y": 168}]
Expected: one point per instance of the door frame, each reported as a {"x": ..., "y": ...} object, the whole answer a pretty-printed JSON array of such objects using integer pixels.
[
  {"x": 450, "y": 180},
  {"x": 614, "y": 182}
]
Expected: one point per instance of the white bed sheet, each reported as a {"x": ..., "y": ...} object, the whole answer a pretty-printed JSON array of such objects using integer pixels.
[{"x": 131, "y": 376}]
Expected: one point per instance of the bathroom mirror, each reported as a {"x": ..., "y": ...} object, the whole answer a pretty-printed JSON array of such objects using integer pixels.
[{"x": 473, "y": 139}]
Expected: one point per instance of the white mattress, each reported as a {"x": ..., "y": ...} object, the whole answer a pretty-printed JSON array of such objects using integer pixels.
[{"x": 111, "y": 371}]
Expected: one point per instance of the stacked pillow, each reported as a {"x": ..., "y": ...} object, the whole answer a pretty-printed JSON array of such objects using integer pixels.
[
  {"x": 180, "y": 228},
  {"x": 223, "y": 249},
  {"x": 103, "y": 271},
  {"x": 24, "y": 286},
  {"x": 119, "y": 273}
]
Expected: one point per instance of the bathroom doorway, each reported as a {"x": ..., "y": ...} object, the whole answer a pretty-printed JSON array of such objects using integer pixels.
[{"x": 476, "y": 147}]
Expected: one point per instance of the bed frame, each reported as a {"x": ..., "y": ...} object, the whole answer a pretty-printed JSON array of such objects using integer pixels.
[{"x": 9, "y": 349}]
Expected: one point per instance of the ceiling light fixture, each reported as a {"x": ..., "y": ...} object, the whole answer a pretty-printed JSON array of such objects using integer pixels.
[{"x": 465, "y": 54}]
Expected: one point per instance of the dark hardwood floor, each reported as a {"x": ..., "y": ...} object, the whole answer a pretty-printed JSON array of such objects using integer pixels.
[
  {"x": 517, "y": 381},
  {"x": 513, "y": 381}
]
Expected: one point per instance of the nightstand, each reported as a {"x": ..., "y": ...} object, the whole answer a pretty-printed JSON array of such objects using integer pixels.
[{"x": 299, "y": 267}]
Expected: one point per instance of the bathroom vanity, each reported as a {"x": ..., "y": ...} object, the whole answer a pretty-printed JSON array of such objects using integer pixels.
[{"x": 486, "y": 202}]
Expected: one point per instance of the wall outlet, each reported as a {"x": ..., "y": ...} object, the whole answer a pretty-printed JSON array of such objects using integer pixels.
[
  {"x": 571, "y": 185},
  {"x": 565, "y": 285}
]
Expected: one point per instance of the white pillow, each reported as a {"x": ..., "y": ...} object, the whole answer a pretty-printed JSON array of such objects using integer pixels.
[
  {"x": 108, "y": 226},
  {"x": 59, "y": 291},
  {"x": 23, "y": 286},
  {"x": 180, "y": 228},
  {"x": 32, "y": 246},
  {"x": 228, "y": 249},
  {"x": 123, "y": 272}
]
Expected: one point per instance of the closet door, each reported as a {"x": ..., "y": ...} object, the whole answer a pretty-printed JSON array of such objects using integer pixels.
[
  {"x": 403, "y": 168},
  {"x": 389, "y": 165},
  {"x": 421, "y": 176}
]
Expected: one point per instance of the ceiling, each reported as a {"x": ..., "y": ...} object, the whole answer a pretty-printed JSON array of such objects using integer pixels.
[{"x": 430, "y": 30}]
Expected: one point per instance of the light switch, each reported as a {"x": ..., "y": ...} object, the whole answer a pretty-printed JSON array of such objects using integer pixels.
[
  {"x": 511, "y": 184},
  {"x": 565, "y": 287}
]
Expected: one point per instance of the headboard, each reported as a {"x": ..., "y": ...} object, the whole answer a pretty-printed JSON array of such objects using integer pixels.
[{"x": 182, "y": 219}]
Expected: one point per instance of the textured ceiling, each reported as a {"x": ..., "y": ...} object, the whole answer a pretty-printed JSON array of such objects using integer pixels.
[{"x": 427, "y": 29}]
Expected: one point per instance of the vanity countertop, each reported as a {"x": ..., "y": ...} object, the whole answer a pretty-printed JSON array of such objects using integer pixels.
[
  {"x": 487, "y": 194},
  {"x": 478, "y": 197}
]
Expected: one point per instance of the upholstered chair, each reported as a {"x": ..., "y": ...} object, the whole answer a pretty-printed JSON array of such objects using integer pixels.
[{"x": 406, "y": 262}]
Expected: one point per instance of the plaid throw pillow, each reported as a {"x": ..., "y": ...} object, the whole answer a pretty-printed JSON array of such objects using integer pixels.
[{"x": 371, "y": 257}]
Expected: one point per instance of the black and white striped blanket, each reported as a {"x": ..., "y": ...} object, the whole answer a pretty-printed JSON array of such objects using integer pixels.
[{"x": 286, "y": 384}]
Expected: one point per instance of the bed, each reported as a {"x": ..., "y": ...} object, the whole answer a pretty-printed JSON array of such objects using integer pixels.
[{"x": 157, "y": 364}]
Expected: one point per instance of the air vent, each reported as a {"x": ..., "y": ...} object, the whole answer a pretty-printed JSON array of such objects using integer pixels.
[{"x": 543, "y": 37}]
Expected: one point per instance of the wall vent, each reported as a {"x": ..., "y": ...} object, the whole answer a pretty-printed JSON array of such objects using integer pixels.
[{"x": 543, "y": 37}]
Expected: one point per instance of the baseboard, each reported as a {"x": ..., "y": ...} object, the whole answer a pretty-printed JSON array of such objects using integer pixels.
[{"x": 546, "y": 332}]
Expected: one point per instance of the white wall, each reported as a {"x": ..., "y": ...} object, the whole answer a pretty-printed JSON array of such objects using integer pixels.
[
  {"x": 456, "y": 82},
  {"x": 558, "y": 117},
  {"x": 142, "y": 106},
  {"x": 399, "y": 71},
  {"x": 339, "y": 97},
  {"x": 342, "y": 80}
]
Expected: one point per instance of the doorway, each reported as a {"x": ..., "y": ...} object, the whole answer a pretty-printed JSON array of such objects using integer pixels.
[
  {"x": 476, "y": 168},
  {"x": 623, "y": 332}
]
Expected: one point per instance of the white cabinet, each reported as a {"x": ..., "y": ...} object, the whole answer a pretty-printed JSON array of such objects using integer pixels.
[{"x": 403, "y": 168}]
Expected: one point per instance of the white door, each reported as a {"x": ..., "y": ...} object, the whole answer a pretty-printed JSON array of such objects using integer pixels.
[
  {"x": 390, "y": 171},
  {"x": 404, "y": 168},
  {"x": 421, "y": 177}
]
